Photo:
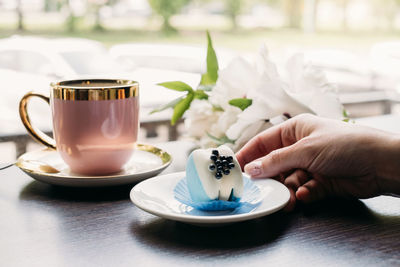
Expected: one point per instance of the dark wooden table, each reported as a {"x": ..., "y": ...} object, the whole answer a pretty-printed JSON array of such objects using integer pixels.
[{"x": 44, "y": 225}]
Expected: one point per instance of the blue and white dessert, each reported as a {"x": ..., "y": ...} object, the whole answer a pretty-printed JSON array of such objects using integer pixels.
[{"x": 214, "y": 174}]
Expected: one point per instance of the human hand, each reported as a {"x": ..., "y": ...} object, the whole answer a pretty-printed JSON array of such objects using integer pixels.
[{"x": 316, "y": 158}]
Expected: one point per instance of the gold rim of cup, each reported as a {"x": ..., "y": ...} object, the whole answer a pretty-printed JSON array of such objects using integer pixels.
[{"x": 95, "y": 89}]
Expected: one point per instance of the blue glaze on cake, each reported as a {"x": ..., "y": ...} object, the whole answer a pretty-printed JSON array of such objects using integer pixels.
[{"x": 194, "y": 184}]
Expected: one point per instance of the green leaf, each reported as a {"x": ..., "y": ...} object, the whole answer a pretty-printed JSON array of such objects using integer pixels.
[
  {"x": 168, "y": 105},
  {"x": 212, "y": 61},
  {"x": 206, "y": 80},
  {"x": 217, "y": 108},
  {"x": 200, "y": 94},
  {"x": 177, "y": 86},
  {"x": 181, "y": 107},
  {"x": 222, "y": 140},
  {"x": 211, "y": 76},
  {"x": 345, "y": 114},
  {"x": 241, "y": 103}
]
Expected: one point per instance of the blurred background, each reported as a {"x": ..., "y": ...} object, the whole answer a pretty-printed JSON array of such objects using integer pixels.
[{"x": 355, "y": 41}]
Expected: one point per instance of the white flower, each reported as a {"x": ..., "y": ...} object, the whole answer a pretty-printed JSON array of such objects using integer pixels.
[
  {"x": 199, "y": 118},
  {"x": 233, "y": 82},
  {"x": 225, "y": 120},
  {"x": 306, "y": 92},
  {"x": 219, "y": 127},
  {"x": 308, "y": 84},
  {"x": 270, "y": 99}
]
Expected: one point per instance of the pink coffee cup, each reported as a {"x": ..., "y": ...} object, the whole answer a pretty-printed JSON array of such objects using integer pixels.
[{"x": 95, "y": 123}]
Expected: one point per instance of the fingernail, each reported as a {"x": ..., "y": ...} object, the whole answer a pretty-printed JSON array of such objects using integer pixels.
[{"x": 253, "y": 168}]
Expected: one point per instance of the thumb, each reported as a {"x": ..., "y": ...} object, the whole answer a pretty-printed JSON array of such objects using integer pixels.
[{"x": 278, "y": 161}]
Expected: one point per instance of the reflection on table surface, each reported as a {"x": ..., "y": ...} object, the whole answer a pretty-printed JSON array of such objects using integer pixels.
[{"x": 57, "y": 226}]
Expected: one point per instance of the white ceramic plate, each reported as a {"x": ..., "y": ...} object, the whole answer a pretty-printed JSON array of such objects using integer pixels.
[
  {"x": 47, "y": 166},
  {"x": 156, "y": 196}
]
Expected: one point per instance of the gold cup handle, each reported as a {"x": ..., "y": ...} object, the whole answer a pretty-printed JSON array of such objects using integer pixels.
[{"x": 37, "y": 134}]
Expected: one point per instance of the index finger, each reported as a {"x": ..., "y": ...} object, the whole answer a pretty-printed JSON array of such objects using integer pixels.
[
  {"x": 260, "y": 145},
  {"x": 273, "y": 138}
]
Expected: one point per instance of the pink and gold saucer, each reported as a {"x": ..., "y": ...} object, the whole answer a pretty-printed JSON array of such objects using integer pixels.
[{"x": 46, "y": 165}]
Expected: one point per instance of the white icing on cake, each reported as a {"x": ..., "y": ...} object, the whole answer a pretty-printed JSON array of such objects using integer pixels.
[{"x": 202, "y": 183}]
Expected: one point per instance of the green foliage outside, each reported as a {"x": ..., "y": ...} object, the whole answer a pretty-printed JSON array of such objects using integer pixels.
[
  {"x": 166, "y": 9},
  {"x": 384, "y": 11},
  {"x": 233, "y": 8}
]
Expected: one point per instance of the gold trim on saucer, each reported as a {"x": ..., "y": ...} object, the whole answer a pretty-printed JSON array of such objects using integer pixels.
[
  {"x": 36, "y": 166},
  {"x": 95, "y": 89},
  {"x": 164, "y": 156},
  {"x": 39, "y": 165}
]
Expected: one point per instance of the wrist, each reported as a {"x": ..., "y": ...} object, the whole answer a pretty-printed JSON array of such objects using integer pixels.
[{"x": 388, "y": 167}]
